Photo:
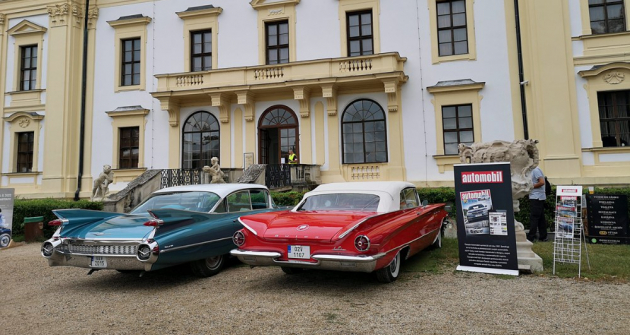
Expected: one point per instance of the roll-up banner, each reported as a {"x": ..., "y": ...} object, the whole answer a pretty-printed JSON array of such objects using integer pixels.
[
  {"x": 6, "y": 216},
  {"x": 485, "y": 218}
]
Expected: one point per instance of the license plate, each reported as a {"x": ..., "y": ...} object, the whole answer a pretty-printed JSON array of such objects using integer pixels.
[
  {"x": 98, "y": 262},
  {"x": 299, "y": 251}
]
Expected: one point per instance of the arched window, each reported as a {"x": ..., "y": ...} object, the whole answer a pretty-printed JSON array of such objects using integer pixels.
[
  {"x": 277, "y": 134},
  {"x": 201, "y": 140},
  {"x": 364, "y": 133}
]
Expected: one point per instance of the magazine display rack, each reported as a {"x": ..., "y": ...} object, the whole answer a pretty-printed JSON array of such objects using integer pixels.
[{"x": 569, "y": 234}]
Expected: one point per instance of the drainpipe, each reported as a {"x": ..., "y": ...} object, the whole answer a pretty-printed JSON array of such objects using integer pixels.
[
  {"x": 521, "y": 75},
  {"x": 83, "y": 98}
]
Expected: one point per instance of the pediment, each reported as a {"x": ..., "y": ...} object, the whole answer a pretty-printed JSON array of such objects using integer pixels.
[
  {"x": 599, "y": 69},
  {"x": 26, "y": 27},
  {"x": 259, "y": 4}
]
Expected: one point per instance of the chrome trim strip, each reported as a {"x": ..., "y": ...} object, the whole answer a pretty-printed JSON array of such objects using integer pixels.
[
  {"x": 247, "y": 227},
  {"x": 193, "y": 245},
  {"x": 102, "y": 242},
  {"x": 342, "y": 258},
  {"x": 354, "y": 227},
  {"x": 293, "y": 262},
  {"x": 93, "y": 255},
  {"x": 113, "y": 240},
  {"x": 238, "y": 252}
]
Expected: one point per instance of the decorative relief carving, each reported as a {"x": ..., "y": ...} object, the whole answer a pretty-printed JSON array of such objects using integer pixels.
[
  {"x": 303, "y": 95},
  {"x": 92, "y": 17},
  {"x": 2, "y": 17},
  {"x": 274, "y": 12},
  {"x": 24, "y": 122},
  {"x": 330, "y": 93},
  {"x": 614, "y": 77},
  {"x": 60, "y": 13}
]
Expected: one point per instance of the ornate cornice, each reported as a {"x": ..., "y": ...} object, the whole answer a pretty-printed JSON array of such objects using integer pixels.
[
  {"x": 303, "y": 95},
  {"x": 92, "y": 17},
  {"x": 67, "y": 12},
  {"x": 246, "y": 99},
  {"x": 222, "y": 101}
]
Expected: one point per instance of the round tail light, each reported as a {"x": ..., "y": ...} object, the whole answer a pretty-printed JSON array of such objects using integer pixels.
[
  {"x": 144, "y": 252},
  {"x": 238, "y": 238},
  {"x": 47, "y": 249},
  {"x": 362, "y": 243}
]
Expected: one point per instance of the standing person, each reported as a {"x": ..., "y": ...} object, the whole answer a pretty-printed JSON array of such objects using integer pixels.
[
  {"x": 292, "y": 157},
  {"x": 537, "y": 207}
]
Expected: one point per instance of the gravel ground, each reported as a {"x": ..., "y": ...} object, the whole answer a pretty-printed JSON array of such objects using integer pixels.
[{"x": 39, "y": 299}]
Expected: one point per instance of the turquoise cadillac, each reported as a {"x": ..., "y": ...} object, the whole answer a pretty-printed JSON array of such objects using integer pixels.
[{"x": 176, "y": 225}]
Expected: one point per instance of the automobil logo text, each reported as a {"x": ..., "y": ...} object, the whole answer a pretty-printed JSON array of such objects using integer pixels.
[{"x": 482, "y": 177}]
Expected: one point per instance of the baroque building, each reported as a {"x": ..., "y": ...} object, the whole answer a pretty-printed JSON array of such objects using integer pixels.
[{"x": 362, "y": 89}]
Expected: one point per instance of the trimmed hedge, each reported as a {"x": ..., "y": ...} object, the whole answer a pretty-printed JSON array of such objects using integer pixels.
[
  {"x": 287, "y": 198},
  {"x": 43, "y": 207}
]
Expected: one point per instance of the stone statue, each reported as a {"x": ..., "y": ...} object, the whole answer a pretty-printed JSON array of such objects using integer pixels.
[
  {"x": 101, "y": 184},
  {"x": 214, "y": 171},
  {"x": 523, "y": 158}
]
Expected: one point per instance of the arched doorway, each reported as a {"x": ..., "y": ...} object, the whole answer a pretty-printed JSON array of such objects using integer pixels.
[
  {"x": 200, "y": 140},
  {"x": 277, "y": 133}
]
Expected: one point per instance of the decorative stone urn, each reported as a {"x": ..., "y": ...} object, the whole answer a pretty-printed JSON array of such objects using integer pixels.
[{"x": 523, "y": 158}]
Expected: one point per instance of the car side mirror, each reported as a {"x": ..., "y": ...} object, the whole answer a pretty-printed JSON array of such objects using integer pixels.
[{"x": 424, "y": 203}]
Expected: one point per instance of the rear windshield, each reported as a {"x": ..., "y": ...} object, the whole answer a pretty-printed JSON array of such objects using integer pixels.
[
  {"x": 341, "y": 202},
  {"x": 191, "y": 201}
]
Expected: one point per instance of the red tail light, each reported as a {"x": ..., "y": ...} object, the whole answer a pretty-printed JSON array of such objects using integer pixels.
[
  {"x": 55, "y": 223},
  {"x": 362, "y": 243},
  {"x": 238, "y": 238},
  {"x": 154, "y": 223},
  {"x": 156, "y": 250}
]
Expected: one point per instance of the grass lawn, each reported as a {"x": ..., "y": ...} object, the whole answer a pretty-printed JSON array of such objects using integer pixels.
[{"x": 608, "y": 262}]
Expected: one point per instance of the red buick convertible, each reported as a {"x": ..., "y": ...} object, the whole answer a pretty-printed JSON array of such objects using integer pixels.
[{"x": 361, "y": 227}]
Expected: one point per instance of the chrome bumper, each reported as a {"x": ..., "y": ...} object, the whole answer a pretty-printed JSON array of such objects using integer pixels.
[
  {"x": 324, "y": 262},
  {"x": 84, "y": 261}
]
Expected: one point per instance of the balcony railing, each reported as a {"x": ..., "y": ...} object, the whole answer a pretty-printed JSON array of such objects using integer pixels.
[
  {"x": 180, "y": 177},
  {"x": 387, "y": 63},
  {"x": 277, "y": 176}
]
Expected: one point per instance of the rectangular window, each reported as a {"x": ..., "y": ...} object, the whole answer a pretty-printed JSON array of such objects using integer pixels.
[
  {"x": 452, "y": 29},
  {"x": 129, "y": 147},
  {"x": 201, "y": 50},
  {"x": 607, "y": 16},
  {"x": 25, "y": 151},
  {"x": 614, "y": 118},
  {"x": 457, "y": 126},
  {"x": 277, "y": 39},
  {"x": 360, "y": 34},
  {"x": 130, "y": 69},
  {"x": 28, "y": 67}
]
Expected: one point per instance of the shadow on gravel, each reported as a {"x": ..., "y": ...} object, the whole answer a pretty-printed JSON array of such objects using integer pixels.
[
  {"x": 316, "y": 281},
  {"x": 105, "y": 281}
]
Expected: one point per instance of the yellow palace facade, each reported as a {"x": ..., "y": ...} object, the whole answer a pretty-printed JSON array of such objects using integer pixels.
[{"x": 362, "y": 89}]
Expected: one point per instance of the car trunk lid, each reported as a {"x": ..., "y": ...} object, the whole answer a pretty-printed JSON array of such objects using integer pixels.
[{"x": 311, "y": 226}]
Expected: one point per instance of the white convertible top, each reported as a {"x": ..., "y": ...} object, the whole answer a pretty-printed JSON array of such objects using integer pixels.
[
  {"x": 391, "y": 187},
  {"x": 388, "y": 191},
  {"x": 221, "y": 190}
]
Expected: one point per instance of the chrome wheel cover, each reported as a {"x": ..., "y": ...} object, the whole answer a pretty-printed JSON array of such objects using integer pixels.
[
  {"x": 213, "y": 262},
  {"x": 394, "y": 266},
  {"x": 4, "y": 240}
]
